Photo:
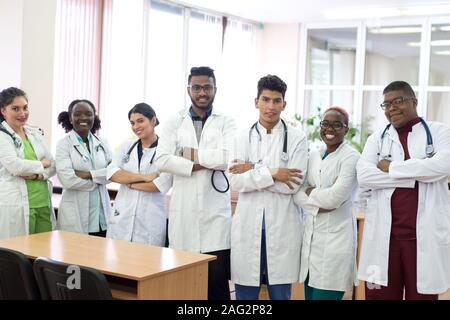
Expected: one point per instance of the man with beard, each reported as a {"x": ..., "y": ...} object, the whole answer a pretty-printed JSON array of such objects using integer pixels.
[{"x": 194, "y": 147}]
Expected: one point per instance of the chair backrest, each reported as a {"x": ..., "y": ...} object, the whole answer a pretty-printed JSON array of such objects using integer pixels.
[
  {"x": 17, "y": 280},
  {"x": 62, "y": 281}
]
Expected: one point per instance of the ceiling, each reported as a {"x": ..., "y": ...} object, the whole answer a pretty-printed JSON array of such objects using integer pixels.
[{"x": 291, "y": 11}]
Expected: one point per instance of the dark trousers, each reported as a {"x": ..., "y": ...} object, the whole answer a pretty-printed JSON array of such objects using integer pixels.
[
  {"x": 402, "y": 275},
  {"x": 218, "y": 275},
  {"x": 276, "y": 291},
  {"x": 98, "y": 234}
]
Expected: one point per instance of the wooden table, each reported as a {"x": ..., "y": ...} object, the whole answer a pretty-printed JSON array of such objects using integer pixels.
[{"x": 134, "y": 271}]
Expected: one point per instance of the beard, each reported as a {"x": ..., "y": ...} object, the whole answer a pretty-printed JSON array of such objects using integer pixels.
[{"x": 200, "y": 107}]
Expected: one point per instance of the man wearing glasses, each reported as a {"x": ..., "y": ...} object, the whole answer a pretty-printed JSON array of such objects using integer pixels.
[
  {"x": 194, "y": 147},
  {"x": 406, "y": 241}
]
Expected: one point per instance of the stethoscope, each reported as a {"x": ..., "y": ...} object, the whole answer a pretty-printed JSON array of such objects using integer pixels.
[
  {"x": 429, "y": 150},
  {"x": 17, "y": 142},
  {"x": 126, "y": 157},
  {"x": 284, "y": 155},
  {"x": 97, "y": 148}
]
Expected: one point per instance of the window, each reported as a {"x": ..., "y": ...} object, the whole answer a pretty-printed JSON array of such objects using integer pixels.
[
  {"x": 331, "y": 56},
  {"x": 371, "y": 55},
  {"x": 440, "y": 55},
  {"x": 165, "y": 80},
  {"x": 392, "y": 53},
  {"x": 77, "y": 56},
  {"x": 330, "y": 69}
]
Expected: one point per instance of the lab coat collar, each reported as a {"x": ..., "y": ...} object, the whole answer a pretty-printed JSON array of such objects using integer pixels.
[
  {"x": 8, "y": 128},
  {"x": 12, "y": 132},
  {"x": 324, "y": 148},
  {"x": 185, "y": 112},
  {"x": 263, "y": 131},
  {"x": 392, "y": 134},
  {"x": 75, "y": 138}
]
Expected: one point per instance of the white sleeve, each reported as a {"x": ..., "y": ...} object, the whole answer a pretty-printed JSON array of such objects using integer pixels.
[
  {"x": 164, "y": 182},
  {"x": 334, "y": 196},
  {"x": 13, "y": 163},
  {"x": 66, "y": 172},
  {"x": 298, "y": 159},
  {"x": 165, "y": 158},
  {"x": 369, "y": 176},
  {"x": 429, "y": 169},
  {"x": 50, "y": 171},
  {"x": 100, "y": 176},
  {"x": 256, "y": 179},
  {"x": 217, "y": 159}
]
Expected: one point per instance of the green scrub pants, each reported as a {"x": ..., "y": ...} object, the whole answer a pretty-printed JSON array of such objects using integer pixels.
[
  {"x": 319, "y": 294},
  {"x": 40, "y": 220}
]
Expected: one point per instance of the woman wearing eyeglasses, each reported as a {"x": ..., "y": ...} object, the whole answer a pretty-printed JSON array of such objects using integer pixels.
[
  {"x": 81, "y": 161},
  {"x": 25, "y": 166},
  {"x": 328, "y": 258}
]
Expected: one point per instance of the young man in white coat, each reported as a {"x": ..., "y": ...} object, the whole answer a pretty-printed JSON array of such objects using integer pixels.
[
  {"x": 266, "y": 234},
  {"x": 194, "y": 147},
  {"x": 406, "y": 239}
]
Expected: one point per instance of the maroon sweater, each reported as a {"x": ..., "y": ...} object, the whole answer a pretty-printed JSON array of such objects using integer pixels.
[{"x": 404, "y": 201}]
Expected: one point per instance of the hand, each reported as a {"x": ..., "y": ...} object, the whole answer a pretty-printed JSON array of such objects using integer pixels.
[
  {"x": 46, "y": 163},
  {"x": 287, "y": 176},
  {"x": 30, "y": 177},
  {"x": 309, "y": 190},
  {"x": 149, "y": 177},
  {"x": 197, "y": 167},
  {"x": 86, "y": 175},
  {"x": 383, "y": 165},
  {"x": 190, "y": 154},
  {"x": 240, "y": 167}
]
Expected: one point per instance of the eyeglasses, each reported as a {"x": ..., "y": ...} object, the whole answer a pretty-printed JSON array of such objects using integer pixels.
[
  {"x": 334, "y": 125},
  {"x": 206, "y": 88},
  {"x": 397, "y": 102}
]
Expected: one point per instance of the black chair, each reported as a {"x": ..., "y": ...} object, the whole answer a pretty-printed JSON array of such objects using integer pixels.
[
  {"x": 62, "y": 281},
  {"x": 17, "y": 280}
]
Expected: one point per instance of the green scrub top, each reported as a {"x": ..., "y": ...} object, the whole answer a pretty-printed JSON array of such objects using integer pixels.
[{"x": 38, "y": 196}]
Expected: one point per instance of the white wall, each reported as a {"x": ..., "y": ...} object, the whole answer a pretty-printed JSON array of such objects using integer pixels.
[
  {"x": 279, "y": 56},
  {"x": 11, "y": 19},
  {"x": 37, "y": 61}
]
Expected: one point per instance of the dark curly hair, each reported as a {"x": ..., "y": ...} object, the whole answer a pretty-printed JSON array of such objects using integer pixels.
[
  {"x": 272, "y": 83},
  {"x": 202, "y": 71},
  {"x": 64, "y": 117},
  {"x": 7, "y": 97}
]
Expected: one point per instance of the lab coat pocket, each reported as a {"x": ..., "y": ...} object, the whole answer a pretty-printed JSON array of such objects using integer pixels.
[{"x": 443, "y": 225}]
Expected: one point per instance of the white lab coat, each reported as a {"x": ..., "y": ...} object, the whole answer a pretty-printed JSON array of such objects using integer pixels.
[
  {"x": 433, "y": 217},
  {"x": 329, "y": 239},
  {"x": 260, "y": 195},
  {"x": 199, "y": 216},
  {"x": 138, "y": 216},
  {"x": 14, "y": 216},
  {"x": 73, "y": 212}
]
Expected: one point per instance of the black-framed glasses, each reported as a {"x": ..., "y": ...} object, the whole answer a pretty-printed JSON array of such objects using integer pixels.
[
  {"x": 397, "y": 102},
  {"x": 207, "y": 88},
  {"x": 334, "y": 125}
]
